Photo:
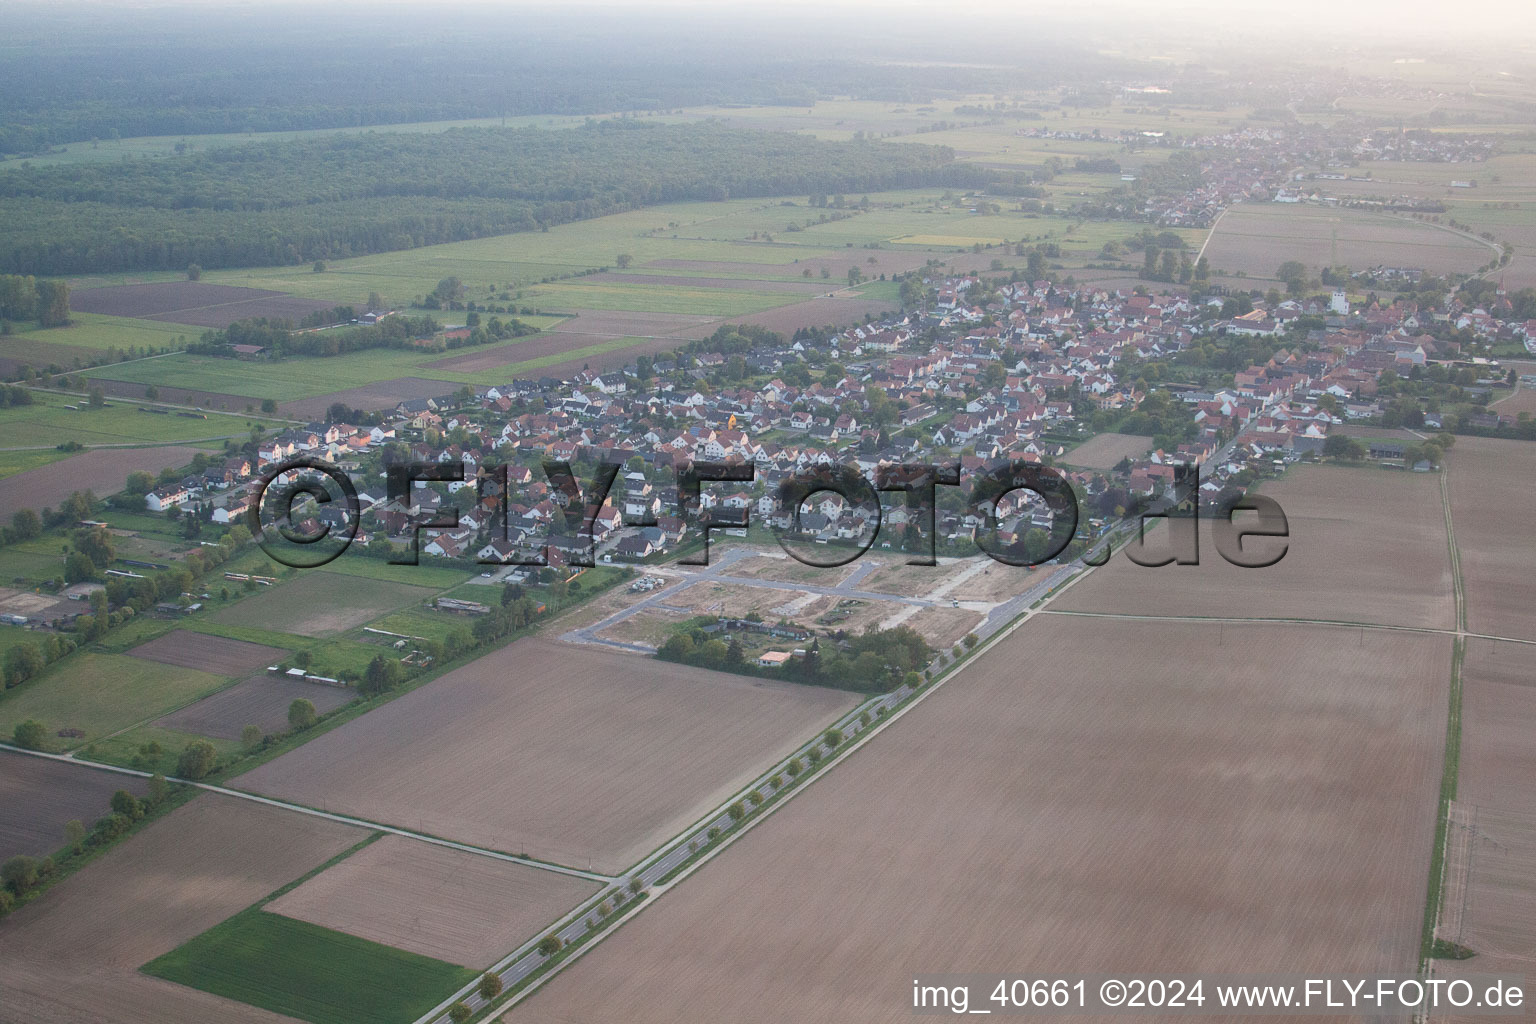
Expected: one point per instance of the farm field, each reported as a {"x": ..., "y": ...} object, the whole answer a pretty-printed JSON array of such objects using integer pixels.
[
  {"x": 261, "y": 701},
  {"x": 1489, "y": 510},
  {"x": 103, "y": 471},
  {"x": 192, "y": 303},
  {"x": 47, "y": 423},
  {"x": 216, "y": 654},
  {"x": 305, "y": 971},
  {"x": 320, "y": 603},
  {"x": 1489, "y": 901},
  {"x": 1147, "y": 795},
  {"x": 1106, "y": 450},
  {"x": 102, "y": 693},
  {"x": 75, "y": 956},
  {"x": 1376, "y": 536},
  {"x": 453, "y": 906},
  {"x": 1258, "y": 237},
  {"x": 591, "y": 755},
  {"x": 39, "y": 796}
]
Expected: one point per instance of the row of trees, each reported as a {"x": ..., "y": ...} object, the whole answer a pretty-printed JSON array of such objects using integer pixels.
[
  {"x": 320, "y": 198},
  {"x": 877, "y": 659}
]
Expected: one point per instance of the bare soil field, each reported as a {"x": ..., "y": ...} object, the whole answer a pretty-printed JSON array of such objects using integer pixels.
[
  {"x": 851, "y": 614},
  {"x": 191, "y": 302},
  {"x": 1494, "y": 522},
  {"x": 896, "y": 577},
  {"x": 1522, "y": 399},
  {"x": 39, "y": 796},
  {"x": 320, "y": 603},
  {"x": 103, "y": 470},
  {"x": 1139, "y": 797},
  {"x": 814, "y": 312},
  {"x": 944, "y": 627},
  {"x": 785, "y": 569},
  {"x": 261, "y": 701},
  {"x": 1106, "y": 450},
  {"x": 31, "y": 604},
  {"x": 385, "y": 394},
  {"x": 733, "y": 600},
  {"x": 1366, "y": 545},
  {"x": 568, "y": 754},
  {"x": 1258, "y": 237},
  {"x": 651, "y": 626},
  {"x": 997, "y": 582},
  {"x": 446, "y": 904},
  {"x": 73, "y": 956},
  {"x": 219, "y": 655}
]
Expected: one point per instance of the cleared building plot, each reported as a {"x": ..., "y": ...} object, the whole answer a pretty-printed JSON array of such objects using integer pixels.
[
  {"x": 261, "y": 701},
  {"x": 453, "y": 906},
  {"x": 1137, "y": 797},
  {"x": 782, "y": 568},
  {"x": 75, "y": 954},
  {"x": 944, "y": 627},
  {"x": 1366, "y": 545},
  {"x": 894, "y": 576},
  {"x": 216, "y": 654},
  {"x": 568, "y": 754},
  {"x": 40, "y": 796},
  {"x": 1107, "y": 450},
  {"x": 321, "y": 603},
  {"x": 1494, "y": 522},
  {"x": 649, "y": 626}
]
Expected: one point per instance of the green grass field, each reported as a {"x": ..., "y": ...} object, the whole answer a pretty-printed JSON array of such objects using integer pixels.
[
  {"x": 48, "y": 422},
  {"x": 317, "y": 603},
  {"x": 123, "y": 749},
  {"x": 312, "y": 973},
  {"x": 93, "y": 330},
  {"x": 12, "y": 463},
  {"x": 102, "y": 693}
]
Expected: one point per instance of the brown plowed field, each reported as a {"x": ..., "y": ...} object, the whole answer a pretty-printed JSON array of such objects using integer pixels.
[
  {"x": 1495, "y": 524},
  {"x": 814, "y": 312},
  {"x": 568, "y": 754},
  {"x": 733, "y": 283},
  {"x": 446, "y": 904},
  {"x": 888, "y": 261},
  {"x": 191, "y": 302},
  {"x": 261, "y": 701},
  {"x": 1365, "y": 546},
  {"x": 1106, "y": 450},
  {"x": 1121, "y": 796},
  {"x": 39, "y": 796},
  {"x": 102, "y": 470},
  {"x": 73, "y": 957},
  {"x": 386, "y": 394},
  {"x": 219, "y": 655}
]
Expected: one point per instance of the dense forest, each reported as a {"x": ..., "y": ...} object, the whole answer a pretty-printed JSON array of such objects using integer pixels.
[{"x": 347, "y": 195}]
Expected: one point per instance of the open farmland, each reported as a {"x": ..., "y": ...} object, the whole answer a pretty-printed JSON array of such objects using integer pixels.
[
  {"x": 1494, "y": 523},
  {"x": 261, "y": 701},
  {"x": 39, "y": 796},
  {"x": 566, "y": 754},
  {"x": 1107, "y": 450},
  {"x": 320, "y": 603},
  {"x": 1257, "y": 237},
  {"x": 442, "y": 903},
  {"x": 192, "y": 303},
  {"x": 216, "y": 654},
  {"x": 1489, "y": 902},
  {"x": 102, "y": 693},
  {"x": 1365, "y": 546},
  {"x": 74, "y": 956},
  {"x": 103, "y": 471},
  {"x": 47, "y": 422},
  {"x": 1149, "y": 796}
]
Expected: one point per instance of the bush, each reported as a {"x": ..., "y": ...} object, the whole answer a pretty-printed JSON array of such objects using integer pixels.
[
  {"x": 31, "y": 735},
  {"x": 128, "y": 805},
  {"x": 7, "y": 903},
  {"x": 19, "y": 874}
]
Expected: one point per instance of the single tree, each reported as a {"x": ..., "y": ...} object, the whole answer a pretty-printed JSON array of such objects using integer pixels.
[
  {"x": 30, "y": 735},
  {"x": 250, "y": 737},
  {"x": 302, "y": 714},
  {"x": 737, "y": 811},
  {"x": 159, "y": 789},
  {"x": 460, "y": 1012},
  {"x": 194, "y": 272},
  {"x": 549, "y": 945},
  {"x": 74, "y": 834},
  {"x": 490, "y": 986},
  {"x": 623, "y": 260},
  {"x": 19, "y": 874},
  {"x": 197, "y": 761},
  {"x": 128, "y": 805}
]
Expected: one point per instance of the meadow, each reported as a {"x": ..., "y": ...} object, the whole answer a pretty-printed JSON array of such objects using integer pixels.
[
  {"x": 48, "y": 422},
  {"x": 305, "y": 971}
]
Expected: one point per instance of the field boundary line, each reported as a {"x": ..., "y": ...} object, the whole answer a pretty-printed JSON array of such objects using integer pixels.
[{"x": 343, "y": 819}]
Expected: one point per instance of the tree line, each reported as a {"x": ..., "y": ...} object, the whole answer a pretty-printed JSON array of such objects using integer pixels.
[
  {"x": 23, "y": 297},
  {"x": 310, "y": 199},
  {"x": 877, "y": 659}
]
